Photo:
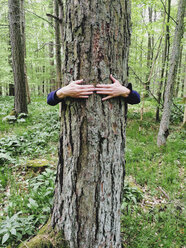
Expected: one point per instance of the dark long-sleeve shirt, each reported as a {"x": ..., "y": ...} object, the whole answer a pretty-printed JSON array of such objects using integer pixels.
[{"x": 133, "y": 97}]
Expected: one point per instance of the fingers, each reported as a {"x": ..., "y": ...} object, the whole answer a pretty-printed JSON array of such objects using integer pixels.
[
  {"x": 87, "y": 87},
  {"x": 83, "y": 97},
  {"x": 78, "y": 81},
  {"x": 104, "y": 92},
  {"x": 112, "y": 78},
  {"x": 104, "y": 85},
  {"x": 106, "y": 98},
  {"x": 86, "y": 93}
]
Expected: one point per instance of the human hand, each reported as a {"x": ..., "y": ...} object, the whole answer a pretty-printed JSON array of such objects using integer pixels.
[
  {"x": 112, "y": 90},
  {"x": 75, "y": 90}
]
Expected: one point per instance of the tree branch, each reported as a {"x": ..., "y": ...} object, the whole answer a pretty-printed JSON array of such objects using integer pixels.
[
  {"x": 143, "y": 84},
  {"x": 40, "y": 17},
  {"x": 161, "y": 104},
  {"x": 55, "y": 17},
  {"x": 45, "y": 44},
  {"x": 168, "y": 13}
]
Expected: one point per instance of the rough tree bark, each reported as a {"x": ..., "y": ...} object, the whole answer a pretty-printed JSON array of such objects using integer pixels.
[
  {"x": 17, "y": 56},
  {"x": 90, "y": 173},
  {"x": 164, "y": 124}
]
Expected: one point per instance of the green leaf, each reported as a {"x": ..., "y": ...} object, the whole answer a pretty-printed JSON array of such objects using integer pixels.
[
  {"x": 134, "y": 199},
  {"x": 13, "y": 231},
  {"x": 33, "y": 202},
  {"x": 3, "y": 231},
  {"x": 123, "y": 206},
  {"x": 5, "y": 238}
]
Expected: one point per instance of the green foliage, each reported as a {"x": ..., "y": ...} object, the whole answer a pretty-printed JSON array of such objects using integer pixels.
[
  {"x": 152, "y": 208},
  {"x": 155, "y": 227},
  {"x": 26, "y": 211},
  {"x": 39, "y": 33},
  {"x": 15, "y": 227},
  {"x": 31, "y": 141},
  {"x": 132, "y": 195},
  {"x": 156, "y": 218},
  {"x": 26, "y": 196},
  {"x": 177, "y": 113}
]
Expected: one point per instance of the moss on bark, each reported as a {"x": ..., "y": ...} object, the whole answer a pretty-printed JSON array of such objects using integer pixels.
[{"x": 47, "y": 238}]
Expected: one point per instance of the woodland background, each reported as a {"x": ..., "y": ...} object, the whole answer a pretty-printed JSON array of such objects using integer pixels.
[{"x": 153, "y": 203}]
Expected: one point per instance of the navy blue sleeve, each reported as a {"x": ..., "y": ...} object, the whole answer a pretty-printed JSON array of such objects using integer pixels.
[
  {"x": 52, "y": 99},
  {"x": 133, "y": 97}
]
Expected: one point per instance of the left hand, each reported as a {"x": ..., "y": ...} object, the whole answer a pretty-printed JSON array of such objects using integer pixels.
[{"x": 112, "y": 90}]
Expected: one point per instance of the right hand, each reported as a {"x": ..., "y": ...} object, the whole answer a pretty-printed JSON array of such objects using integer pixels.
[{"x": 75, "y": 90}]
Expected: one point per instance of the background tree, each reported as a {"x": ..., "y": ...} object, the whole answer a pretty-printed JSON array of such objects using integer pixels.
[
  {"x": 164, "y": 124},
  {"x": 17, "y": 56},
  {"x": 165, "y": 57},
  {"x": 57, "y": 44},
  {"x": 23, "y": 37},
  {"x": 90, "y": 173}
]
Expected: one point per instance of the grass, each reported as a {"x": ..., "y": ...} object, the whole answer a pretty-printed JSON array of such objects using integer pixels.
[
  {"x": 153, "y": 204},
  {"x": 157, "y": 220}
]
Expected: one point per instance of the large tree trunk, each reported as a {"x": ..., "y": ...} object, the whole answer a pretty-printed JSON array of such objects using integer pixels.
[
  {"x": 90, "y": 173},
  {"x": 17, "y": 56},
  {"x": 164, "y": 124}
]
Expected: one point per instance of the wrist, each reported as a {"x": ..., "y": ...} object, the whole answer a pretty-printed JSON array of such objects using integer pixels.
[
  {"x": 125, "y": 92},
  {"x": 60, "y": 93}
]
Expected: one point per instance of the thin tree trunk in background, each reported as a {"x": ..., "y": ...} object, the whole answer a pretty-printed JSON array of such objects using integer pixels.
[
  {"x": 11, "y": 84},
  {"x": 51, "y": 56},
  {"x": 168, "y": 47},
  {"x": 184, "y": 100},
  {"x": 22, "y": 20},
  {"x": 149, "y": 55},
  {"x": 17, "y": 56},
  {"x": 178, "y": 81},
  {"x": 164, "y": 63},
  {"x": 90, "y": 172},
  {"x": 57, "y": 45},
  {"x": 58, "y": 38},
  {"x": 51, "y": 52},
  {"x": 11, "y": 90},
  {"x": 183, "y": 79},
  {"x": 61, "y": 17},
  {"x": 164, "y": 124}
]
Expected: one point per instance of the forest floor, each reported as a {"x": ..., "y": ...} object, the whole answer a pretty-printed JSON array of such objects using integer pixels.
[{"x": 153, "y": 205}]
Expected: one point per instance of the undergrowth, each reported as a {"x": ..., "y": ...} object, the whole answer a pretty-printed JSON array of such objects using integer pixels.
[
  {"x": 152, "y": 207},
  {"x": 156, "y": 218},
  {"x": 26, "y": 192}
]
